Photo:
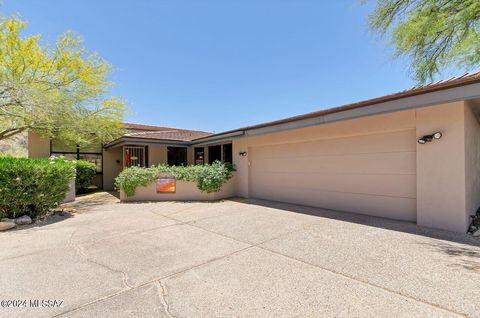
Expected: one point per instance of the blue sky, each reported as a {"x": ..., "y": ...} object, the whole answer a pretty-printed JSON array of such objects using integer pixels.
[{"x": 217, "y": 65}]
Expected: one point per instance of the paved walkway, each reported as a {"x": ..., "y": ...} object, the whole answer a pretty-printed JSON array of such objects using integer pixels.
[{"x": 235, "y": 258}]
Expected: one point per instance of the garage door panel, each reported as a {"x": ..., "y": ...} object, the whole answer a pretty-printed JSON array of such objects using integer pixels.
[
  {"x": 388, "y": 142},
  {"x": 379, "y": 184},
  {"x": 400, "y": 163},
  {"x": 389, "y": 207},
  {"x": 371, "y": 174}
]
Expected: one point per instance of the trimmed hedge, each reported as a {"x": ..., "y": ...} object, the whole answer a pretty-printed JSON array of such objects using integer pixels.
[
  {"x": 86, "y": 170},
  {"x": 32, "y": 186},
  {"x": 209, "y": 178}
]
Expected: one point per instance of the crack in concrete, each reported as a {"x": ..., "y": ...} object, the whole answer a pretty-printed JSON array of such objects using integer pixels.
[
  {"x": 304, "y": 227},
  {"x": 163, "y": 294},
  {"x": 81, "y": 252}
]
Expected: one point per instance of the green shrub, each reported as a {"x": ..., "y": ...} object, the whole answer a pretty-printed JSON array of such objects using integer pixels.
[
  {"x": 32, "y": 186},
  {"x": 86, "y": 170},
  {"x": 209, "y": 178}
]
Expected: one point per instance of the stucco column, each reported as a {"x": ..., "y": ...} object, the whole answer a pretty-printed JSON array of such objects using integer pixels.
[
  {"x": 241, "y": 165},
  {"x": 441, "y": 185},
  {"x": 38, "y": 145}
]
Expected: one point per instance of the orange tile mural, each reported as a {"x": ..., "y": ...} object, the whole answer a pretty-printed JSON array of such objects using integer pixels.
[{"x": 166, "y": 185}]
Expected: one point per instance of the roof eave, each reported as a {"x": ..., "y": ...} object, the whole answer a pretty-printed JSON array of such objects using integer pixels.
[{"x": 124, "y": 140}]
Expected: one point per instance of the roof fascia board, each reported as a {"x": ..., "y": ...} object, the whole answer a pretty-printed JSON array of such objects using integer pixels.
[
  {"x": 455, "y": 94},
  {"x": 217, "y": 138},
  {"x": 125, "y": 141}
]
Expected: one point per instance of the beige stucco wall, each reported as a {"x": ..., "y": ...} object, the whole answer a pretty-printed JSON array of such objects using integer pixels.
[
  {"x": 472, "y": 158},
  {"x": 38, "y": 145},
  {"x": 185, "y": 191},
  {"x": 441, "y": 188},
  {"x": 112, "y": 166},
  {"x": 447, "y": 181},
  {"x": 70, "y": 195}
]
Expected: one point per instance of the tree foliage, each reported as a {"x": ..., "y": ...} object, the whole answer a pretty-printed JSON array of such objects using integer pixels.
[
  {"x": 436, "y": 34},
  {"x": 58, "y": 91}
]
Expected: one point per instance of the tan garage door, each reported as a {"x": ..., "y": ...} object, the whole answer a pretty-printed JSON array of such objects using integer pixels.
[{"x": 369, "y": 174}]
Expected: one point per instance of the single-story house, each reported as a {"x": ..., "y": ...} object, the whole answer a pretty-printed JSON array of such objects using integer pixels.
[{"x": 413, "y": 155}]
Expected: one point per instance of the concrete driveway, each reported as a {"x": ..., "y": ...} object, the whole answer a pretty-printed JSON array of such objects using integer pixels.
[{"x": 235, "y": 258}]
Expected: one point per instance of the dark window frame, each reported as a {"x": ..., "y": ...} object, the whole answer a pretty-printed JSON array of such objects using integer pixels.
[
  {"x": 221, "y": 149},
  {"x": 210, "y": 151},
  {"x": 186, "y": 155},
  {"x": 77, "y": 154},
  {"x": 231, "y": 153},
  {"x": 195, "y": 155}
]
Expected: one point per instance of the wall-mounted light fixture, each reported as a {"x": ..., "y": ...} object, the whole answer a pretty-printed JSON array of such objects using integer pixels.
[
  {"x": 242, "y": 153},
  {"x": 429, "y": 138}
]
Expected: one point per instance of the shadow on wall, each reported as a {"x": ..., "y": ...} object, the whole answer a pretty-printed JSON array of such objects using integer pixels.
[{"x": 389, "y": 224}]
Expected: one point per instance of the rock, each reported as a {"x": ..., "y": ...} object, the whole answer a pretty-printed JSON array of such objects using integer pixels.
[
  {"x": 477, "y": 233},
  {"x": 23, "y": 220},
  {"x": 476, "y": 221},
  {"x": 4, "y": 226}
]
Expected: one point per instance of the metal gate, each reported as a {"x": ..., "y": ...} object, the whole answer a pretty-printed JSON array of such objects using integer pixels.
[{"x": 133, "y": 156}]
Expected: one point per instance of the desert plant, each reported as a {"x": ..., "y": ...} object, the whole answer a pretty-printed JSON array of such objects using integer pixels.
[
  {"x": 86, "y": 170},
  {"x": 32, "y": 186}
]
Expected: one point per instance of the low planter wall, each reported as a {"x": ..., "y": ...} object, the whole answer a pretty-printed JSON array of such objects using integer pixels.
[
  {"x": 70, "y": 196},
  {"x": 185, "y": 191}
]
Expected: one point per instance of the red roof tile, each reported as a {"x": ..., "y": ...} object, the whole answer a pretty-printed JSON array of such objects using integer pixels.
[{"x": 162, "y": 133}]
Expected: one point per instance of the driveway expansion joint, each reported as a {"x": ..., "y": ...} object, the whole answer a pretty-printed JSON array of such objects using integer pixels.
[
  {"x": 367, "y": 283},
  {"x": 259, "y": 245},
  {"x": 164, "y": 288}
]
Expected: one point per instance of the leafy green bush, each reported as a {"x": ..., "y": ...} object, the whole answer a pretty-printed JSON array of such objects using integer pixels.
[
  {"x": 86, "y": 170},
  {"x": 209, "y": 178},
  {"x": 32, "y": 186}
]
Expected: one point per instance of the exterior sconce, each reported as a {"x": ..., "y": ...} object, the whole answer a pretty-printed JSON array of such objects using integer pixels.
[
  {"x": 429, "y": 138},
  {"x": 242, "y": 153}
]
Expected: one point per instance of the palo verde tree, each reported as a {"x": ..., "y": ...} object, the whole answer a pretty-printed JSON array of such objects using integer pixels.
[
  {"x": 436, "y": 34},
  {"x": 56, "y": 90}
]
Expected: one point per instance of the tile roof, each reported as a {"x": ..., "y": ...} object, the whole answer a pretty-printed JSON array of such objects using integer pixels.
[
  {"x": 171, "y": 134},
  {"x": 162, "y": 133},
  {"x": 133, "y": 126}
]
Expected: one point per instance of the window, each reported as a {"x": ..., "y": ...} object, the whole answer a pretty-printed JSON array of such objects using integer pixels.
[
  {"x": 177, "y": 156},
  {"x": 222, "y": 153},
  {"x": 199, "y": 156},
  {"x": 227, "y": 153},
  {"x": 96, "y": 159},
  {"x": 134, "y": 156},
  {"x": 214, "y": 153},
  {"x": 92, "y": 153}
]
